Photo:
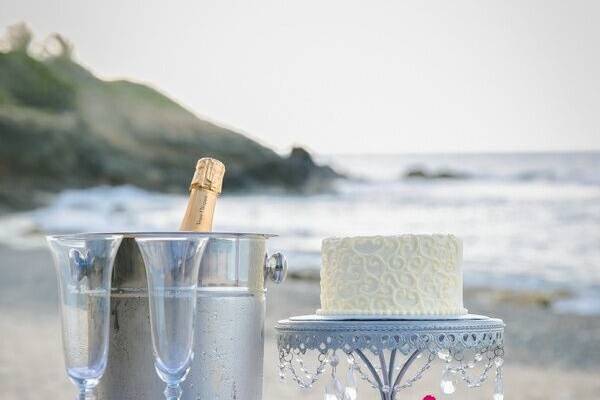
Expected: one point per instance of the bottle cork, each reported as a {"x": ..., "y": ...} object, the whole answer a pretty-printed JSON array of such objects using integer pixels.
[{"x": 209, "y": 175}]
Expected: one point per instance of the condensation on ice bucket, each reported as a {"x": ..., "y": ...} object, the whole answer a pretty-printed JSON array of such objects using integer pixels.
[{"x": 229, "y": 335}]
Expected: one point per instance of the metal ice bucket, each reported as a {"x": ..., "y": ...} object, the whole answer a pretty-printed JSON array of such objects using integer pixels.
[{"x": 228, "y": 347}]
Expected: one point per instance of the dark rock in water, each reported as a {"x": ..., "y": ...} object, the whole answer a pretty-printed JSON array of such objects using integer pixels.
[
  {"x": 62, "y": 127},
  {"x": 448, "y": 174},
  {"x": 305, "y": 274},
  {"x": 300, "y": 172},
  {"x": 535, "y": 175},
  {"x": 418, "y": 173}
]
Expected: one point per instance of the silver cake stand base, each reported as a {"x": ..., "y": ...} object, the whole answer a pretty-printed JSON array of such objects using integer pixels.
[{"x": 390, "y": 354}]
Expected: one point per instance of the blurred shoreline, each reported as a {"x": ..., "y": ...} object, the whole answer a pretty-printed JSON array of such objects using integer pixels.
[{"x": 530, "y": 223}]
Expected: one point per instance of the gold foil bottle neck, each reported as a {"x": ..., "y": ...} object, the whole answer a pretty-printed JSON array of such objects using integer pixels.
[
  {"x": 209, "y": 175},
  {"x": 204, "y": 190}
]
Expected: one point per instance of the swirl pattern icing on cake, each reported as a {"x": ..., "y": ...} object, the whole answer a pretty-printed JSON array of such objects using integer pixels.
[{"x": 392, "y": 275}]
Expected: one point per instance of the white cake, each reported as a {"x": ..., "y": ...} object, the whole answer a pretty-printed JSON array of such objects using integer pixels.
[{"x": 392, "y": 275}]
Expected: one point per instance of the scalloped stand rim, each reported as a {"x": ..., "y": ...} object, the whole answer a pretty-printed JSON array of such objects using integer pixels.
[{"x": 371, "y": 317}]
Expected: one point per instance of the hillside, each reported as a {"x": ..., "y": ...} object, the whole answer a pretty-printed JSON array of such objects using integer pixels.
[{"x": 62, "y": 127}]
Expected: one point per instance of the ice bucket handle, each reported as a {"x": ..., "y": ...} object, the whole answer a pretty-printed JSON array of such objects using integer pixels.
[{"x": 276, "y": 267}]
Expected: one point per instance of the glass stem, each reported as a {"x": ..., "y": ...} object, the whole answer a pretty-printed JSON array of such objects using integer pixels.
[
  {"x": 173, "y": 391},
  {"x": 86, "y": 393}
]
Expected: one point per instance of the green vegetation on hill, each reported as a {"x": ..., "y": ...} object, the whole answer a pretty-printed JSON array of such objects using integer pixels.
[
  {"x": 62, "y": 127},
  {"x": 30, "y": 83}
]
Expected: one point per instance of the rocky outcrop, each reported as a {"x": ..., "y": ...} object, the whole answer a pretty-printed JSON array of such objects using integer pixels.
[{"x": 62, "y": 127}]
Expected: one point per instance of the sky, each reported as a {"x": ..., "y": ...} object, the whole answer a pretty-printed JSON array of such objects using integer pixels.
[{"x": 354, "y": 76}]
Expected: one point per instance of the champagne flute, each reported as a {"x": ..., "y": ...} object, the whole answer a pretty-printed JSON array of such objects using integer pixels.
[
  {"x": 84, "y": 266},
  {"x": 172, "y": 265}
]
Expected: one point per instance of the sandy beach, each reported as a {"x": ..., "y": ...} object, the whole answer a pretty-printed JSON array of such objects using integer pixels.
[{"x": 548, "y": 356}]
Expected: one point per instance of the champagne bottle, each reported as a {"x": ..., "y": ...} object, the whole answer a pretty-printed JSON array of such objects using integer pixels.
[{"x": 205, "y": 187}]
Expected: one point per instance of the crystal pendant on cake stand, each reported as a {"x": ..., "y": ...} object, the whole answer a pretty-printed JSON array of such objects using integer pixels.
[{"x": 390, "y": 355}]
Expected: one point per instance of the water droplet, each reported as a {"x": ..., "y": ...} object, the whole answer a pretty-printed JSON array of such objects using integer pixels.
[
  {"x": 478, "y": 357},
  {"x": 499, "y": 361},
  {"x": 386, "y": 388},
  {"x": 447, "y": 385}
]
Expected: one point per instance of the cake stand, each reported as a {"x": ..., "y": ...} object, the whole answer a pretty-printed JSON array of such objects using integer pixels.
[{"x": 390, "y": 354}]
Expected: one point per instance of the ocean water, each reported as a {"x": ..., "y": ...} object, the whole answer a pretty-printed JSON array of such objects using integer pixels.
[{"x": 528, "y": 221}]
